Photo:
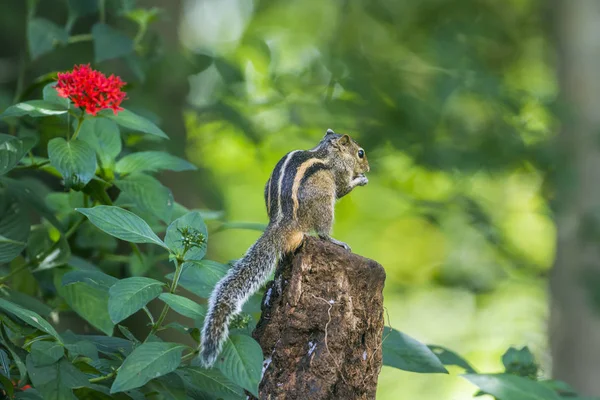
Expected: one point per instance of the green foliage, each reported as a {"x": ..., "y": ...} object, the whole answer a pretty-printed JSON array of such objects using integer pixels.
[{"x": 72, "y": 250}]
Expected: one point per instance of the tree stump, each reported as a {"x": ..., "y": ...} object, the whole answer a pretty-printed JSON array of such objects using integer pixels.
[{"x": 321, "y": 325}]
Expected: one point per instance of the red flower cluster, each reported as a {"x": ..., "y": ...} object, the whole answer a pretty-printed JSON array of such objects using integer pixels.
[{"x": 90, "y": 89}]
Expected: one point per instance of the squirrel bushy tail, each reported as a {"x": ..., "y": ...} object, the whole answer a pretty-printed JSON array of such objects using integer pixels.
[{"x": 232, "y": 291}]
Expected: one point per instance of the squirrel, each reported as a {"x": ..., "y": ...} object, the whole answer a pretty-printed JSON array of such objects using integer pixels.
[{"x": 300, "y": 196}]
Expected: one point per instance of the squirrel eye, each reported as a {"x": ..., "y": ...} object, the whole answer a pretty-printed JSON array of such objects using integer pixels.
[{"x": 361, "y": 153}]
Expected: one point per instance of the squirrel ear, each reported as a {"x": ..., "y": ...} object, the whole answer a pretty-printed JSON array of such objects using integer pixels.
[
  {"x": 329, "y": 132},
  {"x": 344, "y": 140}
]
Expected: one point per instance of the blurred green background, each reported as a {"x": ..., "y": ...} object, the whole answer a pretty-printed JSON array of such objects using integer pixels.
[{"x": 454, "y": 102}]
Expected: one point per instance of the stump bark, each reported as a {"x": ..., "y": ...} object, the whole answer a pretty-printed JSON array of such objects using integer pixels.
[{"x": 321, "y": 325}]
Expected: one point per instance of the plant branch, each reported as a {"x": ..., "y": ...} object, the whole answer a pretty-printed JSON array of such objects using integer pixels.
[
  {"x": 86, "y": 37},
  {"x": 165, "y": 310},
  {"x": 103, "y": 378}
]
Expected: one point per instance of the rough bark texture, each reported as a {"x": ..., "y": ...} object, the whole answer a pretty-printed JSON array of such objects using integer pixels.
[
  {"x": 321, "y": 326},
  {"x": 574, "y": 317}
]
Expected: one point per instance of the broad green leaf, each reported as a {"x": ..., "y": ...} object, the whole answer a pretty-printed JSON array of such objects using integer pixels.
[
  {"x": 46, "y": 353},
  {"x": 184, "y": 306},
  {"x": 448, "y": 357},
  {"x": 195, "y": 228},
  {"x": 128, "y": 296},
  {"x": 201, "y": 277},
  {"x": 103, "y": 136},
  {"x": 75, "y": 160},
  {"x": 11, "y": 151},
  {"x": 56, "y": 381},
  {"x": 50, "y": 94},
  {"x": 146, "y": 362},
  {"x": 129, "y": 120},
  {"x": 8, "y": 388},
  {"x": 30, "y": 193},
  {"x": 82, "y": 348},
  {"x": 148, "y": 194},
  {"x": 34, "y": 108},
  {"x": 14, "y": 228},
  {"x": 26, "y": 301},
  {"x": 86, "y": 292},
  {"x": 213, "y": 382},
  {"x": 241, "y": 361},
  {"x": 121, "y": 224},
  {"x": 110, "y": 43},
  {"x": 90, "y": 237},
  {"x": 403, "y": 352},
  {"x": 508, "y": 387},
  {"x": 109, "y": 345},
  {"x": 152, "y": 161},
  {"x": 29, "y": 317},
  {"x": 170, "y": 387},
  {"x": 29, "y": 394},
  {"x": 43, "y": 36}
]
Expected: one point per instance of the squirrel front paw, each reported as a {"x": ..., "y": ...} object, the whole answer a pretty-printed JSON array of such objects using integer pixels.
[{"x": 361, "y": 180}]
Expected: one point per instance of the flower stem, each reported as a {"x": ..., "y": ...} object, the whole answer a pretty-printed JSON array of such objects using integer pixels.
[
  {"x": 165, "y": 310},
  {"x": 86, "y": 37},
  {"x": 79, "y": 123},
  {"x": 102, "y": 7}
]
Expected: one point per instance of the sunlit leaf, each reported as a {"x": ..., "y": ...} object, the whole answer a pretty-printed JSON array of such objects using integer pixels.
[
  {"x": 130, "y": 120},
  {"x": 34, "y": 108},
  {"x": 506, "y": 386},
  {"x": 152, "y": 161},
  {"x": 184, "y": 306}
]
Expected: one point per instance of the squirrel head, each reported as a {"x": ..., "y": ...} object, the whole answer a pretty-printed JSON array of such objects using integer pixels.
[{"x": 347, "y": 152}]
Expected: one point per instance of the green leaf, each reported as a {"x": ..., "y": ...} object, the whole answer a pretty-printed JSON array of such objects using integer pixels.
[
  {"x": 5, "y": 383},
  {"x": 170, "y": 387},
  {"x": 194, "y": 225},
  {"x": 403, "y": 352},
  {"x": 109, "y": 345},
  {"x": 129, "y": 120},
  {"x": 11, "y": 151},
  {"x": 103, "y": 136},
  {"x": 152, "y": 161},
  {"x": 241, "y": 361},
  {"x": 148, "y": 194},
  {"x": 121, "y": 224},
  {"x": 90, "y": 237},
  {"x": 14, "y": 229},
  {"x": 82, "y": 348},
  {"x": 34, "y": 108},
  {"x": 75, "y": 160},
  {"x": 184, "y": 306},
  {"x": 4, "y": 363},
  {"x": 213, "y": 382},
  {"x": 86, "y": 292},
  {"x": 56, "y": 381},
  {"x": 201, "y": 277},
  {"x": 506, "y": 386},
  {"x": 43, "y": 35},
  {"x": 50, "y": 95},
  {"x": 46, "y": 353},
  {"x": 448, "y": 357},
  {"x": 146, "y": 362},
  {"x": 14, "y": 352},
  {"x": 110, "y": 43},
  {"x": 128, "y": 296},
  {"x": 26, "y": 301},
  {"x": 30, "y": 318}
]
